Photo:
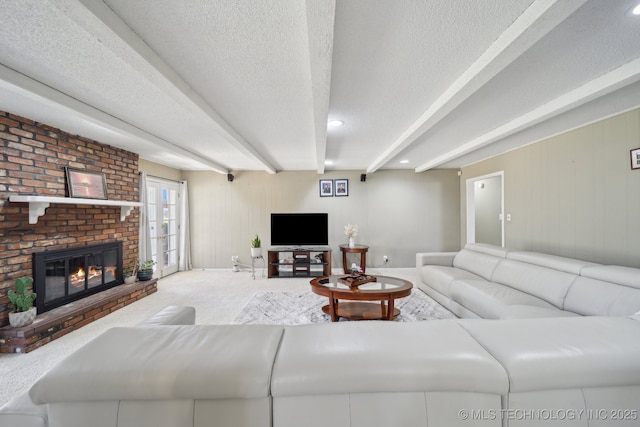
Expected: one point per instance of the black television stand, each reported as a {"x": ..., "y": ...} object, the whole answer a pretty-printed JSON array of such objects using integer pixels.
[{"x": 296, "y": 261}]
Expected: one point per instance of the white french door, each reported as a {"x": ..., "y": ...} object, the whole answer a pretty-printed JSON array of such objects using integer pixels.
[{"x": 164, "y": 224}]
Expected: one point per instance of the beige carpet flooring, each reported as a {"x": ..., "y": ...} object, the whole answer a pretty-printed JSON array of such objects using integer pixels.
[{"x": 218, "y": 296}]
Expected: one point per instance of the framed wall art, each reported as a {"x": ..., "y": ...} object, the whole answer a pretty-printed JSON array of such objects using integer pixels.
[
  {"x": 635, "y": 158},
  {"x": 326, "y": 187},
  {"x": 86, "y": 184},
  {"x": 341, "y": 187}
]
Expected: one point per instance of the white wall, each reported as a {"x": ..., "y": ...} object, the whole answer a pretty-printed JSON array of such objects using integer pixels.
[
  {"x": 574, "y": 194},
  {"x": 398, "y": 212},
  {"x": 159, "y": 171}
]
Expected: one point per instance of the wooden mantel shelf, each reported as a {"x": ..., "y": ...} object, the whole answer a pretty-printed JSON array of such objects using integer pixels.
[{"x": 39, "y": 204}]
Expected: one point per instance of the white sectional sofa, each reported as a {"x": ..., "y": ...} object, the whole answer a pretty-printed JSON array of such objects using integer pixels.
[
  {"x": 492, "y": 282},
  {"x": 466, "y": 372}
]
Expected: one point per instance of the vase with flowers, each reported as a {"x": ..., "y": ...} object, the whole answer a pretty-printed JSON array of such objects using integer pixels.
[{"x": 351, "y": 231}]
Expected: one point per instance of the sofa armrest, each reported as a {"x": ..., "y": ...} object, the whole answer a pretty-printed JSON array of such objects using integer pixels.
[
  {"x": 22, "y": 412},
  {"x": 435, "y": 258},
  {"x": 172, "y": 315},
  {"x": 196, "y": 362}
]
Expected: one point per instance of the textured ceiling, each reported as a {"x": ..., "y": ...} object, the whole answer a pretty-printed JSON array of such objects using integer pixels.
[{"x": 231, "y": 85}]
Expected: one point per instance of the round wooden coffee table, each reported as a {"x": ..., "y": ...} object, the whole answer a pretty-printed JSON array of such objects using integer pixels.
[{"x": 365, "y": 297}]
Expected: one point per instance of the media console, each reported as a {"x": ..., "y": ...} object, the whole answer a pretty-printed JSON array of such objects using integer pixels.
[{"x": 287, "y": 261}]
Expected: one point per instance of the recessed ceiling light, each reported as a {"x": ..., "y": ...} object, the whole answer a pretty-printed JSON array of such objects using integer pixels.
[
  {"x": 335, "y": 123},
  {"x": 634, "y": 11},
  {"x": 404, "y": 161}
]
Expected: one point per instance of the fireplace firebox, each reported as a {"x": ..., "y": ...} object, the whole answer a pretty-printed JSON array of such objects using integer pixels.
[{"x": 63, "y": 276}]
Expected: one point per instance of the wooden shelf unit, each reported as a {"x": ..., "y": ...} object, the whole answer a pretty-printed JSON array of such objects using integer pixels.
[{"x": 299, "y": 262}]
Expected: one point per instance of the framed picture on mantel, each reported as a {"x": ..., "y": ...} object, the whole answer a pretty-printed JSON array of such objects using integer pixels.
[{"x": 86, "y": 184}]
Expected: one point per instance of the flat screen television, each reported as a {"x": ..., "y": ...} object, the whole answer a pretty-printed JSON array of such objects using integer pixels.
[{"x": 299, "y": 229}]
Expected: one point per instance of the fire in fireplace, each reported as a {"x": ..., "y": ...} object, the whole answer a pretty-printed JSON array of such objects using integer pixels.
[{"x": 63, "y": 276}]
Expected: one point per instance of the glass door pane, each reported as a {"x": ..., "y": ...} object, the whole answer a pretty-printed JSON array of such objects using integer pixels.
[
  {"x": 164, "y": 225},
  {"x": 169, "y": 229}
]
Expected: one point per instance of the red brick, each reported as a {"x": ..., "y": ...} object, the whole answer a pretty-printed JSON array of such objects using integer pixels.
[
  {"x": 21, "y": 132},
  {"x": 9, "y": 122},
  {"x": 34, "y": 159}
]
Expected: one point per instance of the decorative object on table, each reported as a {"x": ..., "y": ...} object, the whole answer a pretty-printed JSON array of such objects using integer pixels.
[
  {"x": 130, "y": 271},
  {"x": 256, "y": 247},
  {"x": 356, "y": 279},
  {"x": 86, "y": 184},
  {"x": 635, "y": 158},
  {"x": 23, "y": 313},
  {"x": 145, "y": 270},
  {"x": 342, "y": 187},
  {"x": 326, "y": 187},
  {"x": 351, "y": 231}
]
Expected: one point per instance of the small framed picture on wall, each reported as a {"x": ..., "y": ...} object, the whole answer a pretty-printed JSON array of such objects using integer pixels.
[
  {"x": 635, "y": 158},
  {"x": 342, "y": 187},
  {"x": 326, "y": 187}
]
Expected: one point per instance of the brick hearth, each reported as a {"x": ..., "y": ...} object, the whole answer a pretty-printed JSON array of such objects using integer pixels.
[{"x": 62, "y": 320}]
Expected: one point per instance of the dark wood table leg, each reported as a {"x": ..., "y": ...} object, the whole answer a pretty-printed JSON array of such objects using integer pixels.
[
  {"x": 390, "y": 309},
  {"x": 333, "y": 309},
  {"x": 344, "y": 262}
]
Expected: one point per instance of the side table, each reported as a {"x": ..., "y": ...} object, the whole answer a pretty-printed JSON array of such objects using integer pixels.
[{"x": 357, "y": 249}]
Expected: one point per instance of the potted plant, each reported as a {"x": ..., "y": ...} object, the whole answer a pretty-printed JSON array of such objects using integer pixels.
[
  {"x": 130, "y": 271},
  {"x": 256, "y": 247},
  {"x": 23, "y": 313},
  {"x": 145, "y": 270}
]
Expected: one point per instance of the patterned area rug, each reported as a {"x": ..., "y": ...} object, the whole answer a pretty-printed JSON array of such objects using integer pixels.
[{"x": 303, "y": 307}]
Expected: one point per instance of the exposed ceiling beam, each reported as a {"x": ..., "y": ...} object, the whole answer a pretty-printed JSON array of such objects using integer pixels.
[
  {"x": 320, "y": 25},
  {"x": 46, "y": 95},
  {"x": 603, "y": 85},
  {"x": 539, "y": 18},
  {"x": 188, "y": 96}
]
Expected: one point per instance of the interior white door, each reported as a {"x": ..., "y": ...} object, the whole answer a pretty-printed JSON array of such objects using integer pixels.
[
  {"x": 164, "y": 224},
  {"x": 485, "y": 209}
]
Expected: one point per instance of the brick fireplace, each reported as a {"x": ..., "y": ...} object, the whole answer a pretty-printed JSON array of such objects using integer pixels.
[
  {"x": 33, "y": 158},
  {"x": 67, "y": 275}
]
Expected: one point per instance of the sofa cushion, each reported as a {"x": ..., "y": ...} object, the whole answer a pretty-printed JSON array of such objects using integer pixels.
[
  {"x": 377, "y": 357},
  {"x": 478, "y": 263},
  {"x": 489, "y": 300},
  {"x": 625, "y": 276},
  {"x": 545, "y": 283},
  {"x": 547, "y": 354},
  {"x": 591, "y": 297},
  {"x": 568, "y": 265},
  {"x": 166, "y": 363},
  {"x": 439, "y": 277},
  {"x": 518, "y": 311},
  {"x": 484, "y": 248}
]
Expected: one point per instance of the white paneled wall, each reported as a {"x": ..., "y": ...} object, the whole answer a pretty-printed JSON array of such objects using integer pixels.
[
  {"x": 398, "y": 212},
  {"x": 574, "y": 194}
]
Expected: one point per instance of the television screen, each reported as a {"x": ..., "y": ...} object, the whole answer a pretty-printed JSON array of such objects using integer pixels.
[{"x": 299, "y": 229}]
